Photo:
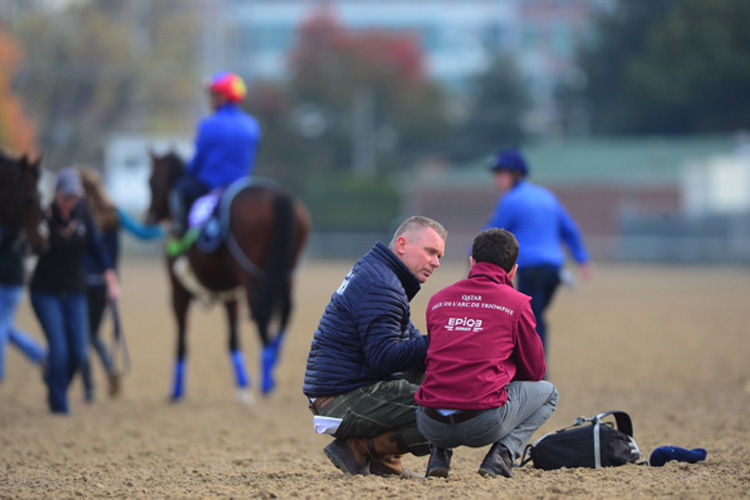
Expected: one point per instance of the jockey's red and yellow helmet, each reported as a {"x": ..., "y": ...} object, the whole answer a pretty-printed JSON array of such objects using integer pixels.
[{"x": 229, "y": 85}]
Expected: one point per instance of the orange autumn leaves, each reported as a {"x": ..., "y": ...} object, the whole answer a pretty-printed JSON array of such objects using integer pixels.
[{"x": 17, "y": 132}]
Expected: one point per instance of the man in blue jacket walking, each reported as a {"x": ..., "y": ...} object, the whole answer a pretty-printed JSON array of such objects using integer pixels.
[
  {"x": 225, "y": 147},
  {"x": 367, "y": 357},
  {"x": 541, "y": 225}
]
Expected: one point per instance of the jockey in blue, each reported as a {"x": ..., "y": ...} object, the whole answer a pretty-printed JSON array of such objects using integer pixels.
[{"x": 226, "y": 145}]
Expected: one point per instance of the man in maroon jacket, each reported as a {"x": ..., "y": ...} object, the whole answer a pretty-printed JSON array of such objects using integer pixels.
[{"x": 485, "y": 364}]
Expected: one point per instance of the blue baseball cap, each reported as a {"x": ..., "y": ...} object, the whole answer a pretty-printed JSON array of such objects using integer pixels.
[
  {"x": 509, "y": 159},
  {"x": 69, "y": 183}
]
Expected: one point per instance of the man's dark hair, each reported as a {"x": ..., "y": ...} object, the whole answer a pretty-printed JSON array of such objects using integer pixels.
[{"x": 496, "y": 246}]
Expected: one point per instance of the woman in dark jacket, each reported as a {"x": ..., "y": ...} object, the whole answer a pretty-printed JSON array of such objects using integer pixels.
[{"x": 58, "y": 287}]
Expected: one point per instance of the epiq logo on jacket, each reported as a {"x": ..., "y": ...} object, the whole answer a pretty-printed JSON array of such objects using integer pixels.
[{"x": 464, "y": 325}]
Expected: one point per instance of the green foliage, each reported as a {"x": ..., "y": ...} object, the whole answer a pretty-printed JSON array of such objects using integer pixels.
[
  {"x": 496, "y": 113},
  {"x": 670, "y": 67},
  {"x": 346, "y": 202},
  {"x": 696, "y": 74},
  {"x": 620, "y": 36}
]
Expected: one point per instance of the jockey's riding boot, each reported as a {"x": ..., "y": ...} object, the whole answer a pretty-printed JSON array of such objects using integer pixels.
[
  {"x": 177, "y": 228},
  {"x": 179, "y": 205},
  {"x": 385, "y": 452}
]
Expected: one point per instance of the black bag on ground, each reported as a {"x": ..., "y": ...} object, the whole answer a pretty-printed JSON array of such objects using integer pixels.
[{"x": 589, "y": 442}]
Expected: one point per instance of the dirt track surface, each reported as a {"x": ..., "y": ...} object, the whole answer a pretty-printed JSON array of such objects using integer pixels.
[{"x": 668, "y": 345}]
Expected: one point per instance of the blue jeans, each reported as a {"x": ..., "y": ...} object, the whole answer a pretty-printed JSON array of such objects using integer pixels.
[
  {"x": 529, "y": 406},
  {"x": 539, "y": 283},
  {"x": 10, "y": 296},
  {"x": 64, "y": 319}
]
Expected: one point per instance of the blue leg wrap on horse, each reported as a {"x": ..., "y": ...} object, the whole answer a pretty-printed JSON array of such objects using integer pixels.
[
  {"x": 178, "y": 387},
  {"x": 268, "y": 362},
  {"x": 240, "y": 371}
]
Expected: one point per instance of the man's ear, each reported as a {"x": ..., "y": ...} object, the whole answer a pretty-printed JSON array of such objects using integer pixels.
[
  {"x": 401, "y": 242},
  {"x": 472, "y": 262},
  {"x": 512, "y": 272}
]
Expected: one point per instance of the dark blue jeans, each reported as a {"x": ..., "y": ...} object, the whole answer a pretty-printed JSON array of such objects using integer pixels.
[
  {"x": 64, "y": 319},
  {"x": 540, "y": 283}
]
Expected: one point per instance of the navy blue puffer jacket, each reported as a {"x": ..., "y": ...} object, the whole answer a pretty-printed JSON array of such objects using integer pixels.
[{"x": 366, "y": 334}]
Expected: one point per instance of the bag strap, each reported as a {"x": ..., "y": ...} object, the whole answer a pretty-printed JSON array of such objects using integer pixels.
[
  {"x": 526, "y": 456},
  {"x": 624, "y": 424}
]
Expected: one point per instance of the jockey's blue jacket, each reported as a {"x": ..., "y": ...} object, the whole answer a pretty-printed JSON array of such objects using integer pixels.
[
  {"x": 225, "y": 146},
  {"x": 539, "y": 222},
  {"x": 365, "y": 334}
]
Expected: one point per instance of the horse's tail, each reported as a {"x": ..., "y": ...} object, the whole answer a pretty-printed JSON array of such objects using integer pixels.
[{"x": 273, "y": 294}]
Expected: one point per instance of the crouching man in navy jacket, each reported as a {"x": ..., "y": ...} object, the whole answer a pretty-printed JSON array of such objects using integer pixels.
[
  {"x": 367, "y": 357},
  {"x": 483, "y": 384}
]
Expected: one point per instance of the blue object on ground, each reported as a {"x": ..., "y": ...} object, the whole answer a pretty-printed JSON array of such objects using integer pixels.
[{"x": 664, "y": 454}]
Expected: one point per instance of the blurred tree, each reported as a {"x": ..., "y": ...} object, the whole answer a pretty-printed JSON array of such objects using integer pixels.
[
  {"x": 16, "y": 130},
  {"x": 99, "y": 67},
  {"x": 278, "y": 155},
  {"x": 695, "y": 75},
  {"x": 496, "y": 113},
  {"x": 361, "y": 100},
  {"x": 358, "y": 108},
  {"x": 619, "y": 36},
  {"x": 670, "y": 67}
]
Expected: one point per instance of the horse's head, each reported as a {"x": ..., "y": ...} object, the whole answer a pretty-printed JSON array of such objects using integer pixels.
[
  {"x": 165, "y": 170},
  {"x": 31, "y": 171},
  {"x": 21, "y": 207}
]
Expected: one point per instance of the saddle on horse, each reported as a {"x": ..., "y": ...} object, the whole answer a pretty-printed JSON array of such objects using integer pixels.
[{"x": 208, "y": 219}]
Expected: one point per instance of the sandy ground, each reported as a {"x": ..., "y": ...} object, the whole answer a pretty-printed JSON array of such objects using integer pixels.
[{"x": 668, "y": 345}]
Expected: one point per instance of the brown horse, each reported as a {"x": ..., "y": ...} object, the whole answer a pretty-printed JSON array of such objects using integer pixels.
[
  {"x": 267, "y": 230},
  {"x": 20, "y": 202}
]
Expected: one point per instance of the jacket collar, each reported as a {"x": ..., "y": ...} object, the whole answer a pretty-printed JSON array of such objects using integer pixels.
[
  {"x": 491, "y": 271},
  {"x": 408, "y": 280},
  {"x": 228, "y": 107}
]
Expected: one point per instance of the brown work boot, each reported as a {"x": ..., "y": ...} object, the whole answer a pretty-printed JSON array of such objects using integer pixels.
[
  {"x": 385, "y": 452},
  {"x": 349, "y": 455},
  {"x": 497, "y": 461},
  {"x": 390, "y": 466}
]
